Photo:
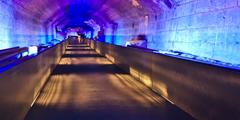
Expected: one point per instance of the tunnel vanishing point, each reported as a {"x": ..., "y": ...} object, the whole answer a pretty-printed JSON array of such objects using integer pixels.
[{"x": 119, "y": 59}]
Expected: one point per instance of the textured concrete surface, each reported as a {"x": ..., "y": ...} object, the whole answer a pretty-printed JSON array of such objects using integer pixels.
[
  {"x": 207, "y": 28},
  {"x": 17, "y": 27},
  {"x": 87, "y": 86}
]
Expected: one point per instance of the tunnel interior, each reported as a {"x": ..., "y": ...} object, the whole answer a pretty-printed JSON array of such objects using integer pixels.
[
  {"x": 189, "y": 65},
  {"x": 197, "y": 29}
]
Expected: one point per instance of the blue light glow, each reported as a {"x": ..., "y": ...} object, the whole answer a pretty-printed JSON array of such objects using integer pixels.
[
  {"x": 5, "y": 13},
  {"x": 108, "y": 39},
  {"x": 24, "y": 54},
  {"x": 88, "y": 35},
  {"x": 19, "y": 56},
  {"x": 33, "y": 50}
]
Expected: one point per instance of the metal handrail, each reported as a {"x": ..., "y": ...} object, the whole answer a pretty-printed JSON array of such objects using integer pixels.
[
  {"x": 143, "y": 48},
  {"x": 7, "y": 55},
  {"x": 9, "y": 50}
]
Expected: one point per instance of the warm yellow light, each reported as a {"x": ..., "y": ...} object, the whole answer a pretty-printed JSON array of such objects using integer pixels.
[
  {"x": 97, "y": 50},
  {"x": 136, "y": 3},
  {"x": 134, "y": 72},
  {"x": 141, "y": 93},
  {"x": 146, "y": 79},
  {"x": 162, "y": 89},
  {"x": 111, "y": 58}
]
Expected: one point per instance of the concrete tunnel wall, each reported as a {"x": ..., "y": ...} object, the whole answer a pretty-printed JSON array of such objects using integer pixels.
[
  {"x": 18, "y": 27},
  {"x": 207, "y": 28}
]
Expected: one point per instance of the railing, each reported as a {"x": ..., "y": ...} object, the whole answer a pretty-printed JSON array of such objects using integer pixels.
[
  {"x": 11, "y": 55},
  {"x": 21, "y": 81},
  {"x": 203, "y": 90},
  {"x": 143, "y": 48}
]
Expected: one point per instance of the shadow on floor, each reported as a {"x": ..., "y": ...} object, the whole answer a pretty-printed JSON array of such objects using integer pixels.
[
  {"x": 80, "y": 49},
  {"x": 110, "y": 113},
  {"x": 81, "y": 55},
  {"x": 78, "y": 45},
  {"x": 87, "y": 68}
]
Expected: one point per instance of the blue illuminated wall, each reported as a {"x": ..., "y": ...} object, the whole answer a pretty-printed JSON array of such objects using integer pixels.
[
  {"x": 19, "y": 28},
  {"x": 207, "y": 28}
]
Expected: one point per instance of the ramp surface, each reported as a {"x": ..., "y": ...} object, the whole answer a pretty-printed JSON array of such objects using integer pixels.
[{"x": 86, "y": 86}]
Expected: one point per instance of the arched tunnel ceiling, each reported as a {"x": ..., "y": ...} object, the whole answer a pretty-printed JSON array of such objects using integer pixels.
[{"x": 102, "y": 11}]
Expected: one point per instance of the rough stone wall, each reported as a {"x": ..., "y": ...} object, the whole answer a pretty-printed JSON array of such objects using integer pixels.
[
  {"x": 207, "y": 28},
  {"x": 18, "y": 27}
]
